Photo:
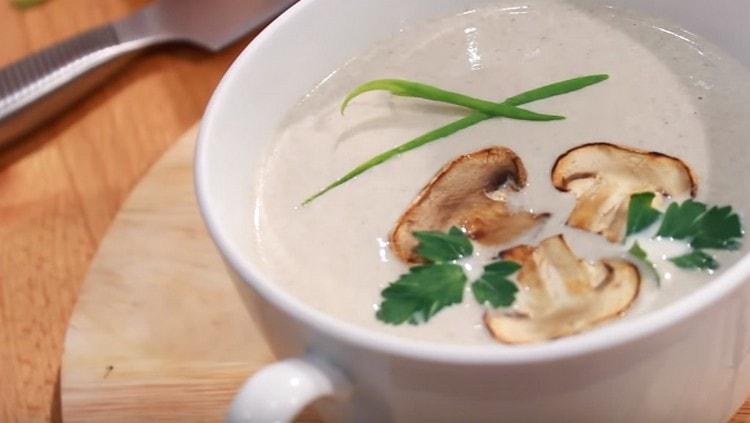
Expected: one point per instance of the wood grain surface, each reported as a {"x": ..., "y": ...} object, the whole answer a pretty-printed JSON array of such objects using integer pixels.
[
  {"x": 131, "y": 352},
  {"x": 159, "y": 332},
  {"x": 62, "y": 185}
]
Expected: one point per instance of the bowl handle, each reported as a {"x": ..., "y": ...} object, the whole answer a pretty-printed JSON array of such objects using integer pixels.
[{"x": 278, "y": 392}]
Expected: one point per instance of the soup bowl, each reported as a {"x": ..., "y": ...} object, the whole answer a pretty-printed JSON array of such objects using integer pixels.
[{"x": 687, "y": 362}]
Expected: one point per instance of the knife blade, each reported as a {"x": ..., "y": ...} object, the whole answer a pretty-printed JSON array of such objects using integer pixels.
[
  {"x": 41, "y": 85},
  {"x": 209, "y": 24}
]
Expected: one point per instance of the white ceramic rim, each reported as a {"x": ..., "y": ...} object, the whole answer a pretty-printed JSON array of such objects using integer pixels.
[{"x": 614, "y": 335}]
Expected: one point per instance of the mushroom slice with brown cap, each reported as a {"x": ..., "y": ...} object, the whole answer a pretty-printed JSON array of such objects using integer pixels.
[
  {"x": 603, "y": 177},
  {"x": 468, "y": 192},
  {"x": 560, "y": 294}
]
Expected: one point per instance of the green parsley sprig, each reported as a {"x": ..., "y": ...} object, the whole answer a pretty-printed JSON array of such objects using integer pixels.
[
  {"x": 695, "y": 259},
  {"x": 641, "y": 214},
  {"x": 551, "y": 90},
  {"x": 494, "y": 287},
  {"x": 638, "y": 252},
  {"x": 438, "y": 247},
  {"x": 700, "y": 226},
  {"x": 426, "y": 289},
  {"x": 715, "y": 228},
  {"x": 418, "y": 295}
]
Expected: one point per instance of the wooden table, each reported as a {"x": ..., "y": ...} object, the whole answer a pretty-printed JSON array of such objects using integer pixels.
[{"x": 61, "y": 187}]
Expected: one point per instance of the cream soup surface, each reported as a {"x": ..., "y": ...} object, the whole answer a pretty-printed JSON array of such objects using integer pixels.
[{"x": 668, "y": 92}]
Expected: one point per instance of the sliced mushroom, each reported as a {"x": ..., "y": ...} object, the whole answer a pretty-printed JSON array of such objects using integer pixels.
[
  {"x": 603, "y": 177},
  {"x": 560, "y": 294},
  {"x": 468, "y": 192}
]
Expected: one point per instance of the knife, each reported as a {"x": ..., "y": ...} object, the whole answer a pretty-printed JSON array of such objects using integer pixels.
[{"x": 43, "y": 84}]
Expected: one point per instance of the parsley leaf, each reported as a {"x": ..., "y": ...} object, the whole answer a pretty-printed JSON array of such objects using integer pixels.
[
  {"x": 695, "y": 259},
  {"x": 680, "y": 219},
  {"x": 720, "y": 229},
  {"x": 640, "y": 213},
  {"x": 494, "y": 287},
  {"x": 637, "y": 252},
  {"x": 715, "y": 228},
  {"x": 439, "y": 247},
  {"x": 418, "y": 295}
]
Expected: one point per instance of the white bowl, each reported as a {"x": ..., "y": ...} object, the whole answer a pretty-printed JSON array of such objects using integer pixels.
[{"x": 686, "y": 362}]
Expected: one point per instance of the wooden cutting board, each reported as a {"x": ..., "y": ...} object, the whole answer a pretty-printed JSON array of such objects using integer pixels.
[{"x": 159, "y": 333}]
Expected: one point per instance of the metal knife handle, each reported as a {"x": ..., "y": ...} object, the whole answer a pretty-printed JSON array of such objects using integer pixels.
[{"x": 38, "y": 86}]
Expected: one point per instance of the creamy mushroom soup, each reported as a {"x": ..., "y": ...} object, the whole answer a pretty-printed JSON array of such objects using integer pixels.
[{"x": 668, "y": 91}]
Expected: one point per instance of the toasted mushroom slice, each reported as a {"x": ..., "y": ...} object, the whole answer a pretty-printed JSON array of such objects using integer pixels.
[
  {"x": 561, "y": 294},
  {"x": 468, "y": 192},
  {"x": 603, "y": 177}
]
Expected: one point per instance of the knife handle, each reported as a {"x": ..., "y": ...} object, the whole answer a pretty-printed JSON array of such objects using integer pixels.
[{"x": 41, "y": 85}]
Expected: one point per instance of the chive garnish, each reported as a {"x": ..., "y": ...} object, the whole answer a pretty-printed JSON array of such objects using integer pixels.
[
  {"x": 403, "y": 88},
  {"x": 551, "y": 90}
]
